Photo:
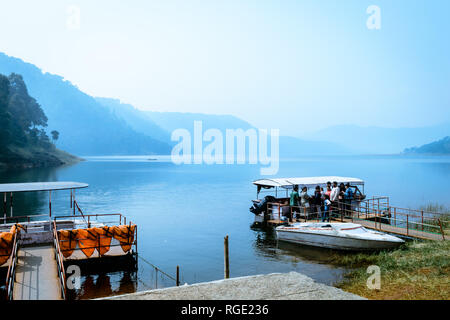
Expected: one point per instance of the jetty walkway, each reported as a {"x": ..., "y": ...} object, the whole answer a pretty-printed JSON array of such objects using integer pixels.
[
  {"x": 376, "y": 213},
  {"x": 37, "y": 274}
]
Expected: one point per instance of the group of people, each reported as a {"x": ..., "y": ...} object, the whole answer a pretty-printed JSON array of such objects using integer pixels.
[{"x": 335, "y": 199}]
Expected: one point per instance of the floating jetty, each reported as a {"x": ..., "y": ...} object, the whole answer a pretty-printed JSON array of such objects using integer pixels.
[
  {"x": 35, "y": 250},
  {"x": 275, "y": 286}
]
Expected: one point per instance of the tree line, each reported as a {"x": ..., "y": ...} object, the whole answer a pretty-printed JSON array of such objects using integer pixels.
[{"x": 22, "y": 120}]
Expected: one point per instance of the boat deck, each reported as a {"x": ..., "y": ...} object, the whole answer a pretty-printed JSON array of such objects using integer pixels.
[{"x": 36, "y": 274}]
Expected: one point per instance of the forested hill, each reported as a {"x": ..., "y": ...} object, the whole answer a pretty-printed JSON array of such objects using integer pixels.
[
  {"x": 23, "y": 139},
  {"x": 437, "y": 147},
  {"x": 86, "y": 126}
]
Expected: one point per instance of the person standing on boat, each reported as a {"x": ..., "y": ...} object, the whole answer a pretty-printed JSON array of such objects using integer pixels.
[
  {"x": 326, "y": 209},
  {"x": 317, "y": 201},
  {"x": 304, "y": 200},
  {"x": 348, "y": 198},
  {"x": 341, "y": 197},
  {"x": 328, "y": 192},
  {"x": 334, "y": 197},
  {"x": 294, "y": 202}
]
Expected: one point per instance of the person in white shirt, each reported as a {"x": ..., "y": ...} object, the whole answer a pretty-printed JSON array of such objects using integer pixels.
[
  {"x": 334, "y": 192},
  {"x": 334, "y": 197}
]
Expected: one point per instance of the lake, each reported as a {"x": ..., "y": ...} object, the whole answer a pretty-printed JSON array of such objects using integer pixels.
[{"x": 183, "y": 212}]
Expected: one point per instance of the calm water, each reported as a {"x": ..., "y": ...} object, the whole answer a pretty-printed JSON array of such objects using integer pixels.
[{"x": 184, "y": 212}]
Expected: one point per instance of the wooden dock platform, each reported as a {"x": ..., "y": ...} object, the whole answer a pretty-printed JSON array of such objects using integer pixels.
[
  {"x": 397, "y": 230},
  {"x": 36, "y": 274},
  {"x": 383, "y": 227}
]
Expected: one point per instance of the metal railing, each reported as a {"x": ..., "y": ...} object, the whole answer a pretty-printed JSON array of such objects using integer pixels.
[
  {"x": 11, "y": 275},
  {"x": 277, "y": 208},
  {"x": 405, "y": 221},
  {"x": 89, "y": 218},
  {"x": 59, "y": 262},
  {"x": 19, "y": 219},
  {"x": 274, "y": 207}
]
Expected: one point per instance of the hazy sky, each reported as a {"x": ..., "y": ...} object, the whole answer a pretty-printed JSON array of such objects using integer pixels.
[{"x": 294, "y": 65}]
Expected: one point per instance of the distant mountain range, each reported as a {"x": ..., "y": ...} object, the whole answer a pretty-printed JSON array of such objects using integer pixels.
[
  {"x": 377, "y": 140},
  {"x": 144, "y": 122},
  {"x": 437, "y": 147},
  {"x": 86, "y": 127},
  {"x": 104, "y": 126}
]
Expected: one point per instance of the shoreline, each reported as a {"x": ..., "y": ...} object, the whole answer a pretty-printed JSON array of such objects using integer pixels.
[
  {"x": 273, "y": 286},
  {"x": 40, "y": 159}
]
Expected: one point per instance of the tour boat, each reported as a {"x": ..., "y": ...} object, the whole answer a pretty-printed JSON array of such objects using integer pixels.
[
  {"x": 275, "y": 204},
  {"x": 342, "y": 236}
]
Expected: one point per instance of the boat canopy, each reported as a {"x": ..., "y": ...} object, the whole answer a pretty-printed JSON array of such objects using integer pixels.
[
  {"x": 40, "y": 186},
  {"x": 308, "y": 182}
]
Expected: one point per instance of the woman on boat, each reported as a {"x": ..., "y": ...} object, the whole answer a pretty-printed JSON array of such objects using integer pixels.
[
  {"x": 294, "y": 202},
  {"x": 304, "y": 200},
  {"x": 326, "y": 209},
  {"x": 328, "y": 192},
  {"x": 341, "y": 197}
]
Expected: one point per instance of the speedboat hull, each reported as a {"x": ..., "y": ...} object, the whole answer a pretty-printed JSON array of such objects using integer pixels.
[{"x": 341, "y": 236}]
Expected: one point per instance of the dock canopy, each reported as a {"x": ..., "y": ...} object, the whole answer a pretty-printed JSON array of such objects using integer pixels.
[
  {"x": 308, "y": 182},
  {"x": 40, "y": 186}
]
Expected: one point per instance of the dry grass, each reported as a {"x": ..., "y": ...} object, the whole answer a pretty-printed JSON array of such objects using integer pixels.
[{"x": 417, "y": 270}]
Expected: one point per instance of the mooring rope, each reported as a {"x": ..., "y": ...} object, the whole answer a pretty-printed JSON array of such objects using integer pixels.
[{"x": 158, "y": 269}]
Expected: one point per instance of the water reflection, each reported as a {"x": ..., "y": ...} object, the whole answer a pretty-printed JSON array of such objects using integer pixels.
[
  {"x": 104, "y": 285},
  {"x": 117, "y": 276}
]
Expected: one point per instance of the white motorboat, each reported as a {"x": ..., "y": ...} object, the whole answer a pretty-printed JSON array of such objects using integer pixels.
[{"x": 342, "y": 236}]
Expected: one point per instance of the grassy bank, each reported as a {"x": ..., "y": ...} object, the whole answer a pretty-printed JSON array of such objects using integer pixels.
[{"x": 417, "y": 270}]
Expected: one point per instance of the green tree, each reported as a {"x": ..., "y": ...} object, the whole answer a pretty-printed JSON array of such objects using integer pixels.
[
  {"x": 55, "y": 135},
  {"x": 21, "y": 118}
]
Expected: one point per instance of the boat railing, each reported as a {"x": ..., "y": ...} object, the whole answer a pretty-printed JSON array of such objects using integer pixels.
[
  {"x": 302, "y": 211},
  {"x": 275, "y": 207},
  {"x": 59, "y": 262},
  {"x": 116, "y": 218},
  {"x": 11, "y": 275},
  {"x": 22, "y": 219}
]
